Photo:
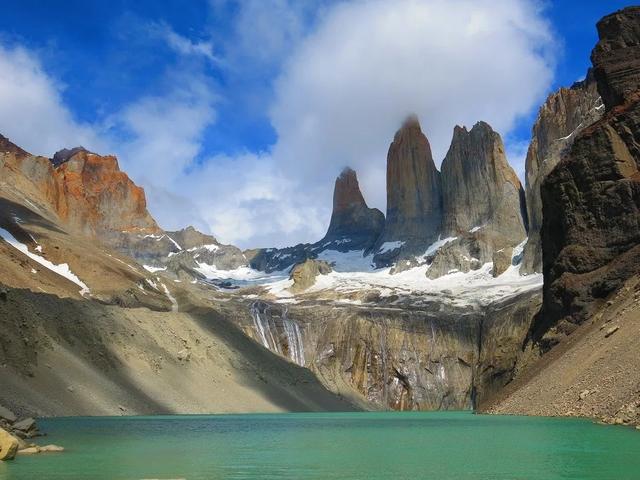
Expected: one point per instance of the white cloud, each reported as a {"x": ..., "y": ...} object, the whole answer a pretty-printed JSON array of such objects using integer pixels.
[
  {"x": 32, "y": 111},
  {"x": 183, "y": 45},
  {"x": 351, "y": 83},
  {"x": 166, "y": 131},
  {"x": 345, "y": 86}
]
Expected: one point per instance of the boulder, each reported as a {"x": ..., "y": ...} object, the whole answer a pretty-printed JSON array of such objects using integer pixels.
[
  {"x": 26, "y": 425},
  {"x": 7, "y": 415},
  {"x": 501, "y": 261},
  {"x": 8, "y": 445},
  {"x": 304, "y": 274}
]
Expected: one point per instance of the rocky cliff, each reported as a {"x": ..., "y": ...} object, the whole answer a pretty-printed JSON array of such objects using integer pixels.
[
  {"x": 560, "y": 119},
  {"x": 591, "y": 200},
  {"x": 483, "y": 204},
  {"x": 480, "y": 189},
  {"x": 435, "y": 358},
  {"x": 353, "y": 223},
  {"x": 353, "y": 227},
  {"x": 414, "y": 195},
  {"x": 98, "y": 199}
]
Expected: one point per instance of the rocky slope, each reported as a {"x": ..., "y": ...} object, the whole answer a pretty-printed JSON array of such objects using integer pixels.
[
  {"x": 87, "y": 330},
  {"x": 560, "y": 119},
  {"x": 594, "y": 372},
  {"x": 588, "y": 326}
]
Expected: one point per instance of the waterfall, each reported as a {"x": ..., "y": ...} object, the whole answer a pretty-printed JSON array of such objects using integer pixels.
[
  {"x": 278, "y": 334},
  {"x": 294, "y": 339}
]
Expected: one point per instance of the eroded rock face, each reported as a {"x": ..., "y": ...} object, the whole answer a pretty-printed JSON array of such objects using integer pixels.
[
  {"x": 402, "y": 358},
  {"x": 560, "y": 119},
  {"x": 304, "y": 274},
  {"x": 99, "y": 199},
  {"x": 591, "y": 201},
  {"x": 480, "y": 189},
  {"x": 616, "y": 57},
  {"x": 352, "y": 221},
  {"x": 414, "y": 193}
]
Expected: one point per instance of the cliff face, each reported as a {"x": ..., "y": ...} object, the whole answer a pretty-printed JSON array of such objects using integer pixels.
[
  {"x": 591, "y": 201},
  {"x": 100, "y": 200},
  {"x": 560, "y": 119},
  {"x": 414, "y": 192},
  {"x": 352, "y": 221},
  {"x": 435, "y": 358},
  {"x": 480, "y": 189}
]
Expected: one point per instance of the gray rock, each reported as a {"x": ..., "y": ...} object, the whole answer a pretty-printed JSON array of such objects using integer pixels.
[
  {"x": 7, "y": 414},
  {"x": 352, "y": 222},
  {"x": 480, "y": 189},
  {"x": 560, "y": 119},
  {"x": 414, "y": 195},
  {"x": 304, "y": 274},
  {"x": 26, "y": 425}
]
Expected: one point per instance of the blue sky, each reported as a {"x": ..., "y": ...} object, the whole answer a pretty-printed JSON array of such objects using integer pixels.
[{"x": 237, "y": 115}]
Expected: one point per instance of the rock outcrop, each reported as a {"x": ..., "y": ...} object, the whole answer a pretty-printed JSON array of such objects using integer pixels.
[
  {"x": 414, "y": 195},
  {"x": 434, "y": 358},
  {"x": 100, "y": 200},
  {"x": 353, "y": 224},
  {"x": 483, "y": 203},
  {"x": 591, "y": 200},
  {"x": 304, "y": 274},
  {"x": 480, "y": 190},
  {"x": 7, "y": 146},
  {"x": 616, "y": 57},
  {"x": 8, "y": 445},
  {"x": 560, "y": 119}
]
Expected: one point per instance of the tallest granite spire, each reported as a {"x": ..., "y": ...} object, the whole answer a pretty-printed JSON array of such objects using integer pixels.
[{"x": 414, "y": 191}]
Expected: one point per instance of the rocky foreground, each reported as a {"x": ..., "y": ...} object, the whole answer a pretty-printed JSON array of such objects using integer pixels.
[{"x": 15, "y": 436}]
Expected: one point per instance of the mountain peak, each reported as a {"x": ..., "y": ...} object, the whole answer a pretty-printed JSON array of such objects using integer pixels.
[
  {"x": 64, "y": 155},
  {"x": 7, "y": 145},
  {"x": 351, "y": 218}
]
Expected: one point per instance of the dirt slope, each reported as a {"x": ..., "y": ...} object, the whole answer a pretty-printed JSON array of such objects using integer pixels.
[{"x": 594, "y": 372}]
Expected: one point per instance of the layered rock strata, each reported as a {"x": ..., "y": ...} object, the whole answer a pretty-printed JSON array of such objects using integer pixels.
[
  {"x": 560, "y": 119},
  {"x": 591, "y": 200},
  {"x": 434, "y": 358}
]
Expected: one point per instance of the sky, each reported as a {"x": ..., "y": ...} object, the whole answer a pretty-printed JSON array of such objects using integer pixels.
[{"x": 237, "y": 115}]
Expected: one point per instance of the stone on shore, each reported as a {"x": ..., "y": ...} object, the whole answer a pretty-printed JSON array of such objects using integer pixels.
[
  {"x": 8, "y": 445},
  {"x": 8, "y": 415}
]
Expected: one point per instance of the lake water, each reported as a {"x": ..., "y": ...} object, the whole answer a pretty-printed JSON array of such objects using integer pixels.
[{"x": 435, "y": 445}]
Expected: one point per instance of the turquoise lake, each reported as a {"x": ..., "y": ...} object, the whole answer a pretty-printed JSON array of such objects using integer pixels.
[{"x": 434, "y": 445}]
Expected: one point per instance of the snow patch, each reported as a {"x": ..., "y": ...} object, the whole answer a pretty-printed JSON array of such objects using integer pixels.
[
  {"x": 351, "y": 261},
  {"x": 62, "y": 269},
  {"x": 152, "y": 269},
  {"x": 435, "y": 246},
  {"x": 390, "y": 246},
  {"x": 212, "y": 247}
]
